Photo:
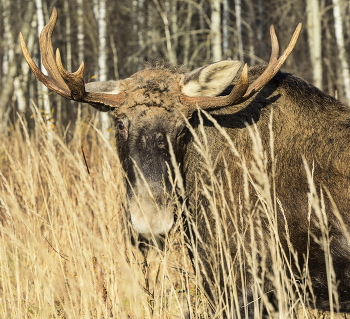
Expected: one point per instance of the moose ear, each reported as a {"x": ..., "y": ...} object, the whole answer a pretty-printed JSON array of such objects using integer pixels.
[
  {"x": 110, "y": 87},
  {"x": 210, "y": 80}
]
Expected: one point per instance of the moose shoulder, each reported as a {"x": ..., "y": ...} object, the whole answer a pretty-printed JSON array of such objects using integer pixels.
[{"x": 157, "y": 113}]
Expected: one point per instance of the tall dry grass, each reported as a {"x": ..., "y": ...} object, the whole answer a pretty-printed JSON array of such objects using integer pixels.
[{"x": 65, "y": 249}]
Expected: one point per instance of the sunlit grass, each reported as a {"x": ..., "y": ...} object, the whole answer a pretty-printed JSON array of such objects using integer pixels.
[{"x": 65, "y": 249}]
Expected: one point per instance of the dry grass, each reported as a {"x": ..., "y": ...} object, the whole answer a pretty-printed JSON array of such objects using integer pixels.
[{"x": 64, "y": 244}]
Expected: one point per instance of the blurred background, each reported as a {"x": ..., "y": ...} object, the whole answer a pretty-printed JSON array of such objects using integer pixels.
[{"x": 115, "y": 37}]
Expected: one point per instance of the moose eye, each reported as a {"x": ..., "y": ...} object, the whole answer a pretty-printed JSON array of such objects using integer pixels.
[{"x": 121, "y": 126}]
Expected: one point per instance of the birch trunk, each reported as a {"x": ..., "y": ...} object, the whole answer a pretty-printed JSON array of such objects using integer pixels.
[
  {"x": 80, "y": 31},
  {"x": 315, "y": 45},
  {"x": 215, "y": 29},
  {"x": 174, "y": 23},
  {"x": 6, "y": 85},
  {"x": 68, "y": 36},
  {"x": 140, "y": 30},
  {"x": 238, "y": 10},
  {"x": 251, "y": 30},
  {"x": 260, "y": 28},
  {"x": 225, "y": 29},
  {"x": 339, "y": 35},
  {"x": 7, "y": 39},
  {"x": 187, "y": 37},
  {"x": 102, "y": 60},
  {"x": 43, "y": 90}
]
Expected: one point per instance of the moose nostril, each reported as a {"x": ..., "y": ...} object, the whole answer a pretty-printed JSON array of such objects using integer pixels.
[{"x": 160, "y": 140}]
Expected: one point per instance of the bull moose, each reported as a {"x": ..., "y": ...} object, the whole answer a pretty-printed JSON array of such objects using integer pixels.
[{"x": 164, "y": 112}]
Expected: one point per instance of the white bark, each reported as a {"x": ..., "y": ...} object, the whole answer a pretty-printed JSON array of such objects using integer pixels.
[
  {"x": 102, "y": 60},
  {"x": 102, "y": 29},
  {"x": 21, "y": 101},
  {"x": 225, "y": 29},
  {"x": 68, "y": 37},
  {"x": 187, "y": 37},
  {"x": 80, "y": 31},
  {"x": 8, "y": 39},
  {"x": 174, "y": 21},
  {"x": 260, "y": 27},
  {"x": 43, "y": 91},
  {"x": 238, "y": 10},
  {"x": 140, "y": 18},
  {"x": 339, "y": 35},
  {"x": 8, "y": 53},
  {"x": 315, "y": 45},
  {"x": 215, "y": 28}
]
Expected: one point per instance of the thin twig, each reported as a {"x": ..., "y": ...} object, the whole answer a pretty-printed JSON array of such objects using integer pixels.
[
  {"x": 65, "y": 257},
  {"x": 86, "y": 164}
]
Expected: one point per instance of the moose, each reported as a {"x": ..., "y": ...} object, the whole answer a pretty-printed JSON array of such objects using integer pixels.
[{"x": 162, "y": 113}]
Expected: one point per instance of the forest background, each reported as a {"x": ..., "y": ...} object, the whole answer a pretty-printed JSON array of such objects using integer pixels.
[{"x": 115, "y": 37}]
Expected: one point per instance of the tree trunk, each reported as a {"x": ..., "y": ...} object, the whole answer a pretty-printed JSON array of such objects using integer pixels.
[
  {"x": 314, "y": 33},
  {"x": 225, "y": 29},
  {"x": 215, "y": 28},
  {"x": 102, "y": 60},
  {"x": 44, "y": 101},
  {"x": 187, "y": 37},
  {"x": 7, "y": 39},
  {"x": 339, "y": 35},
  {"x": 238, "y": 10},
  {"x": 80, "y": 31}
]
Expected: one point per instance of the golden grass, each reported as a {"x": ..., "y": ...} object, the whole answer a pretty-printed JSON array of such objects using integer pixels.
[{"x": 64, "y": 244}]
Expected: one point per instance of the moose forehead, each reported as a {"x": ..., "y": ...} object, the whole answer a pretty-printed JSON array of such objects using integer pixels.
[{"x": 152, "y": 88}]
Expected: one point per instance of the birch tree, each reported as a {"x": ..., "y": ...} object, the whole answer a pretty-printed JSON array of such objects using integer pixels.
[
  {"x": 7, "y": 70},
  {"x": 68, "y": 36},
  {"x": 215, "y": 29},
  {"x": 43, "y": 91},
  {"x": 314, "y": 40},
  {"x": 102, "y": 59},
  {"x": 339, "y": 35},
  {"x": 238, "y": 10},
  {"x": 225, "y": 28},
  {"x": 80, "y": 30},
  {"x": 187, "y": 37},
  {"x": 7, "y": 38}
]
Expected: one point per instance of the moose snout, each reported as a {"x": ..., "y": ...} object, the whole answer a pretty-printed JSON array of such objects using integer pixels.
[{"x": 151, "y": 214}]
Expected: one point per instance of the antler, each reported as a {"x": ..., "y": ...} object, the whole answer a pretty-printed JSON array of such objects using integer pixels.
[
  {"x": 241, "y": 91},
  {"x": 69, "y": 85}
]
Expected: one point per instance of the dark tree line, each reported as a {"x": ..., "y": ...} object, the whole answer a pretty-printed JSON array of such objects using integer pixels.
[{"x": 114, "y": 38}]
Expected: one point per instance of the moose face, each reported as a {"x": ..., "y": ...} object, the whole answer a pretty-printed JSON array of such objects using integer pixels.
[
  {"x": 145, "y": 124},
  {"x": 143, "y": 138},
  {"x": 149, "y": 125}
]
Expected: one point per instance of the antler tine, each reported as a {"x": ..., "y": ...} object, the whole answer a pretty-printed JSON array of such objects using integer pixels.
[
  {"x": 274, "y": 64},
  {"x": 75, "y": 81},
  {"x": 47, "y": 54},
  {"x": 46, "y": 80},
  {"x": 242, "y": 91}
]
